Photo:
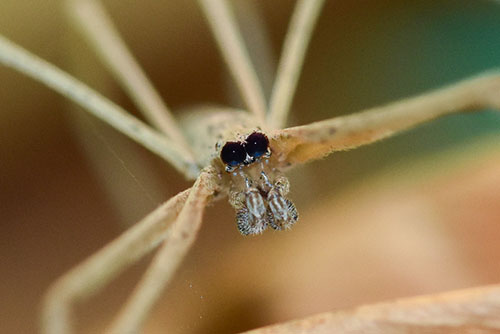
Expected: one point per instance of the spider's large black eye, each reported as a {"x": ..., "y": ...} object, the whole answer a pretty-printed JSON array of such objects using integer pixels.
[
  {"x": 233, "y": 154},
  {"x": 256, "y": 145}
]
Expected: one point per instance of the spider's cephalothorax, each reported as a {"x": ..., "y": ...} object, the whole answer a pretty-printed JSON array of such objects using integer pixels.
[{"x": 257, "y": 190}]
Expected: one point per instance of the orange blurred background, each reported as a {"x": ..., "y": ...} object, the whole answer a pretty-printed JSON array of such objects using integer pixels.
[{"x": 418, "y": 213}]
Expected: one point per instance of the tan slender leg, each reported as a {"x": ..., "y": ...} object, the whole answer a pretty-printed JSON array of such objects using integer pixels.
[
  {"x": 316, "y": 140},
  {"x": 235, "y": 54},
  {"x": 12, "y": 55},
  {"x": 297, "y": 39},
  {"x": 93, "y": 22},
  {"x": 90, "y": 276},
  {"x": 178, "y": 241},
  {"x": 255, "y": 33},
  {"x": 474, "y": 310}
]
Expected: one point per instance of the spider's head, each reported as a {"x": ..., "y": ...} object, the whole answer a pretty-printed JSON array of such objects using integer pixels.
[{"x": 257, "y": 190}]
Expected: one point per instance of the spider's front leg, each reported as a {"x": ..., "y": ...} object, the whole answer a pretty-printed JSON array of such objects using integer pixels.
[
  {"x": 178, "y": 241},
  {"x": 316, "y": 140},
  {"x": 90, "y": 276}
]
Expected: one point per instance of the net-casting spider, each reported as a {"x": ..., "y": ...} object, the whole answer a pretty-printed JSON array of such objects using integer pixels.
[{"x": 239, "y": 154}]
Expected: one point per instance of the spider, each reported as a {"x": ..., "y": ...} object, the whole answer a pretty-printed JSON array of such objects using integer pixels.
[{"x": 230, "y": 153}]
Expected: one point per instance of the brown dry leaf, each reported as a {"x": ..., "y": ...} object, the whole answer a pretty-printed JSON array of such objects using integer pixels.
[{"x": 465, "y": 311}]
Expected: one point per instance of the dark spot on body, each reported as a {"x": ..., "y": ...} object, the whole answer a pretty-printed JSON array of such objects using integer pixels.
[{"x": 331, "y": 131}]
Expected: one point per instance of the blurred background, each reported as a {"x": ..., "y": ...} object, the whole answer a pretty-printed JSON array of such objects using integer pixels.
[{"x": 416, "y": 214}]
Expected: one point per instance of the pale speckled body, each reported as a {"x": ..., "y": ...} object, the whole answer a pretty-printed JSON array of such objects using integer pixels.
[{"x": 257, "y": 190}]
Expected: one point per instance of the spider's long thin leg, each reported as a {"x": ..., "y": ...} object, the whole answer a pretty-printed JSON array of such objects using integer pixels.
[
  {"x": 178, "y": 241},
  {"x": 232, "y": 47},
  {"x": 93, "y": 22},
  {"x": 12, "y": 55},
  {"x": 297, "y": 39},
  {"x": 316, "y": 140},
  {"x": 91, "y": 275},
  {"x": 255, "y": 33}
]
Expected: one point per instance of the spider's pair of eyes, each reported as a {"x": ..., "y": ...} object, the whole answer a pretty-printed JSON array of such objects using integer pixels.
[{"x": 235, "y": 153}]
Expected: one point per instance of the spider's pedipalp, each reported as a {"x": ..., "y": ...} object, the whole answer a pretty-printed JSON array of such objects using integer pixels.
[
  {"x": 286, "y": 217},
  {"x": 281, "y": 211},
  {"x": 313, "y": 141},
  {"x": 258, "y": 196},
  {"x": 247, "y": 224}
]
